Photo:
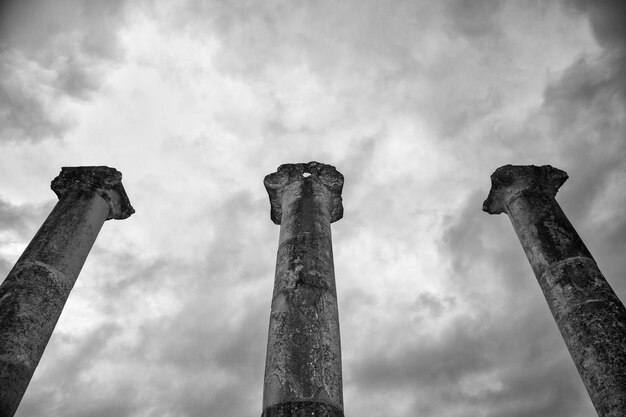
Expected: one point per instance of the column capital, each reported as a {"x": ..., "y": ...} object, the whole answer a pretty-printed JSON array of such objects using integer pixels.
[
  {"x": 105, "y": 181},
  {"x": 312, "y": 171},
  {"x": 509, "y": 181}
]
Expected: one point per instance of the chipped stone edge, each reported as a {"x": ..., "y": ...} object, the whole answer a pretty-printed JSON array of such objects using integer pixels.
[
  {"x": 105, "y": 181},
  {"x": 510, "y": 181},
  {"x": 288, "y": 173}
]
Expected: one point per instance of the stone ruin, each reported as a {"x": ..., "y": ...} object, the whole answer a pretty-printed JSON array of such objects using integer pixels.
[{"x": 303, "y": 365}]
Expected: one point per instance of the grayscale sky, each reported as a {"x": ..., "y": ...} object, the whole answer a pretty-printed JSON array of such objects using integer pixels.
[{"x": 415, "y": 102}]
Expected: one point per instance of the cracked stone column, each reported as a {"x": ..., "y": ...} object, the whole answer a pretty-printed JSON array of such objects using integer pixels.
[
  {"x": 303, "y": 366},
  {"x": 34, "y": 293},
  {"x": 591, "y": 318}
]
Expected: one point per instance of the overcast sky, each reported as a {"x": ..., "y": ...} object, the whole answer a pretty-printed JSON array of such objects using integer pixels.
[{"x": 415, "y": 102}]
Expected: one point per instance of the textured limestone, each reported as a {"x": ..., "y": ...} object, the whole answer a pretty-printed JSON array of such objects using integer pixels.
[
  {"x": 104, "y": 181},
  {"x": 591, "y": 318},
  {"x": 34, "y": 293},
  {"x": 302, "y": 409},
  {"x": 303, "y": 366}
]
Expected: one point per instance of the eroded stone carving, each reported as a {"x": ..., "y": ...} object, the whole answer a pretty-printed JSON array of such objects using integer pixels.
[
  {"x": 509, "y": 181},
  {"x": 104, "y": 181},
  {"x": 285, "y": 174}
]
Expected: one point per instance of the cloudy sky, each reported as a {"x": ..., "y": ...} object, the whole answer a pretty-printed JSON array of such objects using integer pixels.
[{"x": 415, "y": 102}]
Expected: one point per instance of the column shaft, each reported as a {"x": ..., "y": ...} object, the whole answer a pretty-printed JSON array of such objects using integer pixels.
[
  {"x": 36, "y": 289},
  {"x": 590, "y": 317},
  {"x": 303, "y": 367}
]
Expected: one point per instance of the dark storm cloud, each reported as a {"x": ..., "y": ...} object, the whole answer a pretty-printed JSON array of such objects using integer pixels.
[
  {"x": 432, "y": 363},
  {"x": 607, "y": 17},
  {"x": 582, "y": 86},
  {"x": 608, "y": 22},
  {"x": 523, "y": 378},
  {"x": 549, "y": 388},
  {"x": 239, "y": 354},
  {"x": 36, "y": 27},
  {"x": 50, "y": 51},
  {"x": 473, "y": 18},
  {"x": 584, "y": 116},
  {"x": 586, "y": 113}
]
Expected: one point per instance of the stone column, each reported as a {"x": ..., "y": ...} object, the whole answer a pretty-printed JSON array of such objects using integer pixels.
[
  {"x": 34, "y": 293},
  {"x": 303, "y": 366},
  {"x": 591, "y": 318}
]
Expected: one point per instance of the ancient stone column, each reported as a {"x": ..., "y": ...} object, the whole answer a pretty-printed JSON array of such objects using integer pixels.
[
  {"x": 34, "y": 293},
  {"x": 591, "y": 318},
  {"x": 303, "y": 366}
]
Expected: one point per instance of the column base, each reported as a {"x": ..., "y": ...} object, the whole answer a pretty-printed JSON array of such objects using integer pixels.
[{"x": 302, "y": 409}]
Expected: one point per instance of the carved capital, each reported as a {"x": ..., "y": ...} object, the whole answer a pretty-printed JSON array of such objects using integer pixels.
[
  {"x": 105, "y": 181},
  {"x": 312, "y": 171},
  {"x": 509, "y": 181}
]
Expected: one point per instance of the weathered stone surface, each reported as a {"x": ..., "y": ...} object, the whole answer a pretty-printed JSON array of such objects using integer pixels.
[
  {"x": 302, "y": 409},
  {"x": 509, "y": 180},
  {"x": 36, "y": 289},
  {"x": 304, "y": 354},
  {"x": 327, "y": 175},
  {"x": 104, "y": 181},
  {"x": 591, "y": 318}
]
